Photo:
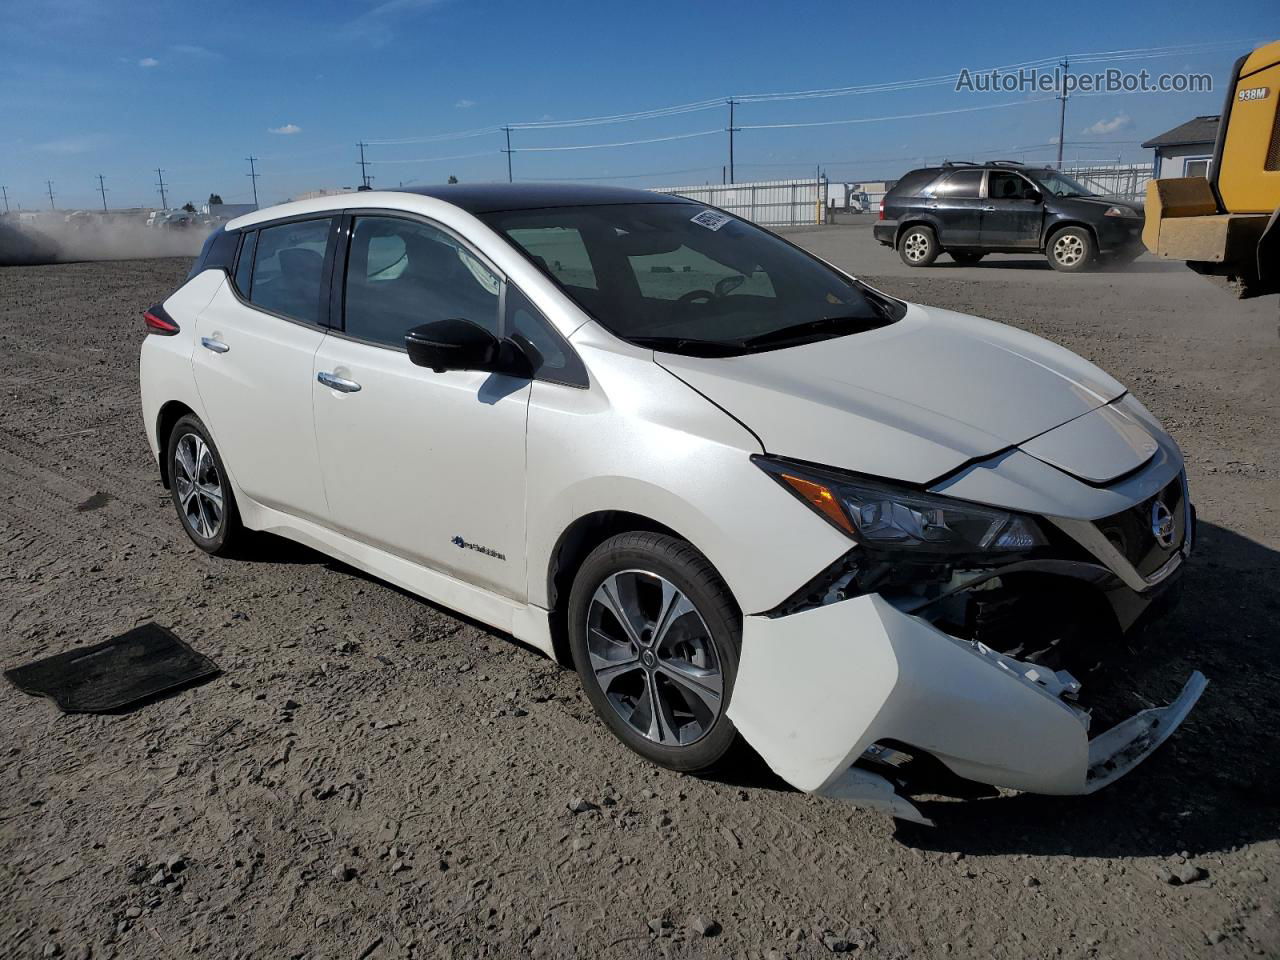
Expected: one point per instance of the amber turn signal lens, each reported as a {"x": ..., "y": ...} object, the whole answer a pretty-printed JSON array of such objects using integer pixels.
[{"x": 822, "y": 499}]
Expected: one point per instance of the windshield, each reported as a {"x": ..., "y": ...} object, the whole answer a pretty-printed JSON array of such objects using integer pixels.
[
  {"x": 687, "y": 279},
  {"x": 1062, "y": 185}
]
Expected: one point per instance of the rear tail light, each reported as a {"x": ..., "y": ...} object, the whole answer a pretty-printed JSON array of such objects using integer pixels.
[
  {"x": 158, "y": 321},
  {"x": 881, "y": 217}
]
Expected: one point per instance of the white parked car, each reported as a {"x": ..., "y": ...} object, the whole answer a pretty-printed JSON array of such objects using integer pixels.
[{"x": 748, "y": 496}]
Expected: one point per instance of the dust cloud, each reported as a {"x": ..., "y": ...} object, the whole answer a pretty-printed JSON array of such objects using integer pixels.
[{"x": 49, "y": 240}]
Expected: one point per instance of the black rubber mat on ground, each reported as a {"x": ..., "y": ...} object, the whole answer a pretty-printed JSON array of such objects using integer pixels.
[{"x": 132, "y": 668}]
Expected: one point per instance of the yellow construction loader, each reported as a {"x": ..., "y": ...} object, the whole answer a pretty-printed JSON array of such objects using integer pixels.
[{"x": 1227, "y": 226}]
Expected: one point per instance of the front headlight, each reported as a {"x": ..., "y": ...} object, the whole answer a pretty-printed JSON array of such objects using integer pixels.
[
  {"x": 882, "y": 515},
  {"x": 1118, "y": 211}
]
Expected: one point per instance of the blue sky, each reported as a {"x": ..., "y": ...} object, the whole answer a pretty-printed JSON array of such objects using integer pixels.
[{"x": 117, "y": 88}]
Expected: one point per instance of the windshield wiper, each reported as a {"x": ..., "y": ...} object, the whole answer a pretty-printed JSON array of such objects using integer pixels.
[
  {"x": 691, "y": 346},
  {"x": 823, "y": 326}
]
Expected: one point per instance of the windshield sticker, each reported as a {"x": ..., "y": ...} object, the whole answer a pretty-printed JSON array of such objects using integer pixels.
[{"x": 712, "y": 219}]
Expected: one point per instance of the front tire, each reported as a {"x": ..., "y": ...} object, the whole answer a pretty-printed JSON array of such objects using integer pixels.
[
  {"x": 655, "y": 637},
  {"x": 1071, "y": 250},
  {"x": 918, "y": 246},
  {"x": 200, "y": 489}
]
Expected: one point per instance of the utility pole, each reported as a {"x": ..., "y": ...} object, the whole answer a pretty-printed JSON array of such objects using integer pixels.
[
  {"x": 1062, "y": 111},
  {"x": 364, "y": 165},
  {"x": 49, "y": 184},
  {"x": 507, "y": 131},
  {"x": 5, "y": 192},
  {"x": 253, "y": 175},
  {"x": 732, "y": 131},
  {"x": 164, "y": 202},
  {"x": 102, "y": 190}
]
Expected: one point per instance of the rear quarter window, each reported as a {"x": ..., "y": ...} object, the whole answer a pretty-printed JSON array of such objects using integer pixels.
[{"x": 914, "y": 183}]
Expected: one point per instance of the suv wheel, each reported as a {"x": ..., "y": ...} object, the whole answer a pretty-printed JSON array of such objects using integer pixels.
[
  {"x": 918, "y": 247},
  {"x": 655, "y": 636},
  {"x": 1071, "y": 249},
  {"x": 201, "y": 493}
]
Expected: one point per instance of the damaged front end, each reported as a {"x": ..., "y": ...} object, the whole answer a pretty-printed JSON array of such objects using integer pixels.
[{"x": 960, "y": 640}]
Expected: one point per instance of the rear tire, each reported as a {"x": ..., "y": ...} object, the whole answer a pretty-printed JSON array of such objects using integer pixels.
[
  {"x": 200, "y": 489},
  {"x": 1071, "y": 250},
  {"x": 918, "y": 246},
  {"x": 660, "y": 680},
  {"x": 966, "y": 259}
]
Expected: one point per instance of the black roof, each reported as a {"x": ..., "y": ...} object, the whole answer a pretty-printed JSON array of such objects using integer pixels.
[
  {"x": 1200, "y": 130},
  {"x": 492, "y": 197}
]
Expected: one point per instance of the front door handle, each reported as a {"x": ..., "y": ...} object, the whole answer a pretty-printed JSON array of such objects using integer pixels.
[
  {"x": 988, "y": 209},
  {"x": 217, "y": 346},
  {"x": 341, "y": 384}
]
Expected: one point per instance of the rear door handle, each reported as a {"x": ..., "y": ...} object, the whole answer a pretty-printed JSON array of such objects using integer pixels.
[
  {"x": 341, "y": 384},
  {"x": 217, "y": 346},
  {"x": 988, "y": 209}
]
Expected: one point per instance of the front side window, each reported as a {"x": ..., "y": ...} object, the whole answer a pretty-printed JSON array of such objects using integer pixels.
[
  {"x": 682, "y": 278},
  {"x": 288, "y": 270},
  {"x": 401, "y": 274},
  {"x": 1002, "y": 185}
]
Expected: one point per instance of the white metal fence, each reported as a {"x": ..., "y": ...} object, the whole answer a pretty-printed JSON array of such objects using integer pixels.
[
  {"x": 772, "y": 203},
  {"x": 1124, "y": 181}
]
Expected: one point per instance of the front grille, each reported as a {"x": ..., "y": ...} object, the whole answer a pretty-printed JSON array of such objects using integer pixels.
[{"x": 1131, "y": 531}]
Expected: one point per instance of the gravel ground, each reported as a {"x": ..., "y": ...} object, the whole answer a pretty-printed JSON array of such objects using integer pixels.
[{"x": 373, "y": 777}]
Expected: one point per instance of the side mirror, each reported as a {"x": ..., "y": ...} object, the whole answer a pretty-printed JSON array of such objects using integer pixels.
[{"x": 462, "y": 345}]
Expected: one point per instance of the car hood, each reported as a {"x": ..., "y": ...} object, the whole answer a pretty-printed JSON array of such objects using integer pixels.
[{"x": 911, "y": 401}]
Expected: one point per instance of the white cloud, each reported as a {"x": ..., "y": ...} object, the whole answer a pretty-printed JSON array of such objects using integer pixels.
[
  {"x": 195, "y": 51},
  {"x": 287, "y": 130},
  {"x": 148, "y": 62},
  {"x": 73, "y": 144},
  {"x": 1121, "y": 121},
  {"x": 465, "y": 104}
]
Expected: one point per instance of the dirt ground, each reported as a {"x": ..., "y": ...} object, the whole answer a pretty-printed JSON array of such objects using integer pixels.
[{"x": 372, "y": 777}]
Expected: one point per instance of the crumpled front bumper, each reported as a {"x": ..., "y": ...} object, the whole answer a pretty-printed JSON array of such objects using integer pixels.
[{"x": 815, "y": 689}]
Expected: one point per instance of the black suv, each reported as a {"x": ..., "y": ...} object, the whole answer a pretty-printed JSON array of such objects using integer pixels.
[{"x": 972, "y": 209}]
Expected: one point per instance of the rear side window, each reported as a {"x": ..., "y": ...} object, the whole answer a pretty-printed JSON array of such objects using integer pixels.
[
  {"x": 561, "y": 252},
  {"x": 288, "y": 269},
  {"x": 914, "y": 183},
  {"x": 218, "y": 253},
  {"x": 963, "y": 184},
  {"x": 401, "y": 274}
]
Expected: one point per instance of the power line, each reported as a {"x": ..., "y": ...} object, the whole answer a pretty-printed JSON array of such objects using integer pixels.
[
  {"x": 899, "y": 116},
  {"x": 164, "y": 201},
  {"x": 102, "y": 189},
  {"x": 253, "y": 175},
  {"x": 456, "y": 156},
  {"x": 625, "y": 143}
]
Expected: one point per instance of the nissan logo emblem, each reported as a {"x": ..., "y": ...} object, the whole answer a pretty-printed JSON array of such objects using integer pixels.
[{"x": 1162, "y": 524}]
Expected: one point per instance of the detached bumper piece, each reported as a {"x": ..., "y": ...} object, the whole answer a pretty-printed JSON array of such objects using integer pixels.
[
  {"x": 821, "y": 692},
  {"x": 1127, "y": 744}
]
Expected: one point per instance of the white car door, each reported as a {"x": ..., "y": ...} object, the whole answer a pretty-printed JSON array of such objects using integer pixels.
[
  {"x": 427, "y": 466},
  {"x": 253, "y": 362}
]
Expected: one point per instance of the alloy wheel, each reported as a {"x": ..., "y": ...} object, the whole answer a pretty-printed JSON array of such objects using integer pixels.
[
  {"x": 199, "y": 485},
  {"x": 916, "y": 246},
  {"x": 1068, "y": 250},
  {"x": 654, "y": 658}
]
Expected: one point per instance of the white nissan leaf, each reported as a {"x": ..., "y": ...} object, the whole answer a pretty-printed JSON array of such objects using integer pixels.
[{"x": 750, "y": 498}]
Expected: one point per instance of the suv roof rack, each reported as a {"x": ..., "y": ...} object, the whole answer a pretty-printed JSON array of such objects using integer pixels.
[
  {"x": 1006, "y": 163},
  {"x": 960, "y": 163}
]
